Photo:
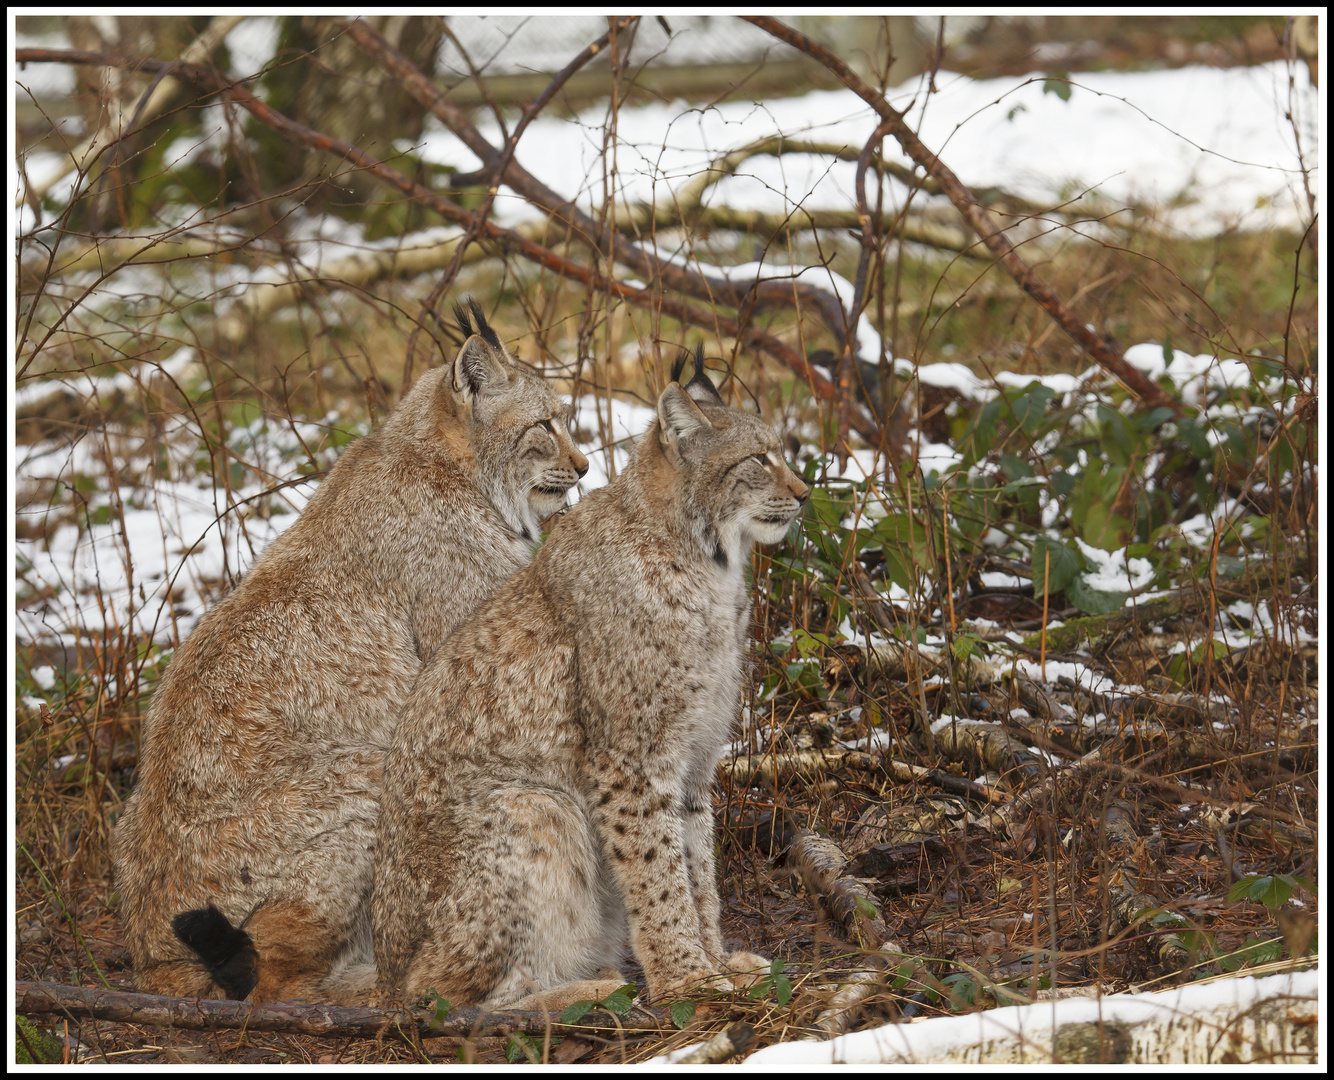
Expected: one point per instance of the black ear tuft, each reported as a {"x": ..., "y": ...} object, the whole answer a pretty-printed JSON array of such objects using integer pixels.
[
  {"x": 461, "y": 313},
  {"x": 483, "y": 327},
  {"x": 680, "y": 365},
  {"x": 226, "y": 950},
  {"x": 700, "y": 387}
]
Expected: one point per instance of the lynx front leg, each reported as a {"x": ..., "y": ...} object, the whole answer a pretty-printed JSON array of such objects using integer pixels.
[
  {"x": 642, "y": 834},
  {"x": 697, "y": 829},
  {"x": 743, "y": 968}
]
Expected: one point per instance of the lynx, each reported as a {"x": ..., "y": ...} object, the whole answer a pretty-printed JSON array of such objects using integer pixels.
[
  {"x": 244, "y": 856},
  {"x": 548, "y": 794}
]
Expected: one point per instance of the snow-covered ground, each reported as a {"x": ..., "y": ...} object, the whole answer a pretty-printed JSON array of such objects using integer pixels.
[{"x": 1224, "y": 1020}]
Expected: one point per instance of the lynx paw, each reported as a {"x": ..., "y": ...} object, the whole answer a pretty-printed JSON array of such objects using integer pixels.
[
  {"x": 692, "y": 985},
  {"x": 745, "y": 969}
]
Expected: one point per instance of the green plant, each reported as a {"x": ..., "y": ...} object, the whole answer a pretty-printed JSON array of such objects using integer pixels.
[
  {"x": 33, "y": 1046},
  {"x": 775, "y": 983},
  {"x": 1271, "y": 890},
  {"x": 620, "y": 1001}
]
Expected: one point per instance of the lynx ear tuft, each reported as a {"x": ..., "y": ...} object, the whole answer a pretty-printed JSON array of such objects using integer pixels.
[
  {"x": 700, "y": 387},
  {"x": 680, "y": 365},
  {"x": 472, "y": 314},
  {"x": 461, "y": 314},
  {"x": 478, "y": 369}
]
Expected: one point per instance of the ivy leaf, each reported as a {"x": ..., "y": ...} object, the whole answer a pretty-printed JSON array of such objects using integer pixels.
[
  {"x": 1060, "y": 572},
  {"x": 621, "y": 1001},
  {"x": 575, "y": 1012},
  {"x": 521, "y": 1046},
  {"x": 1094, "y": 601},
  {"x": 964, "y": 645},
  {"x": 682, "y": 1013},
  {"x": 761, "y": 988}
]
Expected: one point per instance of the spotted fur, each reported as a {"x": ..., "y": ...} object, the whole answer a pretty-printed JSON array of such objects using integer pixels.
[
  {"x": 259, "y": 779},
  {"x": 547, "y": 799}
]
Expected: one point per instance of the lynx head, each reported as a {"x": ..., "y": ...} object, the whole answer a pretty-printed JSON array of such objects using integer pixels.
[
  {"x": 735, "y": 486},
  {"x": 504, "y": 426}
]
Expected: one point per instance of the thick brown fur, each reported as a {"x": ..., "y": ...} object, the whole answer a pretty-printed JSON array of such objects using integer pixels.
[
  {"x": 547, "y": 801},
  {"x": 244, "y": 856}
]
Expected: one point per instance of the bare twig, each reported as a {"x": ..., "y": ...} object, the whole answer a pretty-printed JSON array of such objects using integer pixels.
[
  {"x": 510, "y": 240},
  {"x": 397, "y": 64},
  {"x": 507, "y": 239},
  {"x": 978, "y": 218}
]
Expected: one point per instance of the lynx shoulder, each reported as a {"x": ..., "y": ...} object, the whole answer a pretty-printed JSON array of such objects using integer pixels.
[
  {"x": 547, "y": 799},
  {"x": 245, "y": 853}
]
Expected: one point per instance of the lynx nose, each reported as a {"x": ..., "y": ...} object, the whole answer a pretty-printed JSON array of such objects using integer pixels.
[{"x": 582, "y": 470}]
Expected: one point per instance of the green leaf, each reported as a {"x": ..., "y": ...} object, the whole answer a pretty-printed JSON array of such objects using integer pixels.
[
  {"x": 783, "y": 986},
  {"x": 1058, "y": 83},
  {"x": 1094, "y": 601},
  {"x": 865, "y": 907},
  {"x": 1062, "y": 569},
  {"x": 682, "y": 1013},
  {"x": 442, "y": 1005},
  {"x": 1218, "y": 648},
  {"x": 964, "y": 645},
  {"x": 1192, "y": 434},
  {"x": 1031, "y": 406},
  {"x": 810, "y": 645},
  {"x": 1116, "y": 440},
  {"x": 521, "y": 1045},
  {"x": 576, "y": 1011},
  {"x": 621, "y": 1001},
  {"x": 1153, "y": 419},
  {"x": 827, "y": 510}
]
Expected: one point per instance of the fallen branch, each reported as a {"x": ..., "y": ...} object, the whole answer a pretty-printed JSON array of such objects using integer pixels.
[
  {"x": 819, "y": 862},
  {"x": 747, "y": 770},
  {"x": 1274, "y": 1020},
  {"x": 76, "y": 1002},
  {"x": 990, "y": 745},
  {"x": 728, "y": 1043}
]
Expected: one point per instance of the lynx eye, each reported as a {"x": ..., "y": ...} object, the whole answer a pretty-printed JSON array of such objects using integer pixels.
[
  {"x": 548, "y": 425},
  {"x": 763, "y": 459}
]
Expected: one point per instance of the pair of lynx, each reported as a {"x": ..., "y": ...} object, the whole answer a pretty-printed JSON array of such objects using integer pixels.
[{"x": 338, "y": 767}]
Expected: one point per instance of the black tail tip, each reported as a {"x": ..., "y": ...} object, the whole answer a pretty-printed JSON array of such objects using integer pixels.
[{"x": 226, "y": 950}]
